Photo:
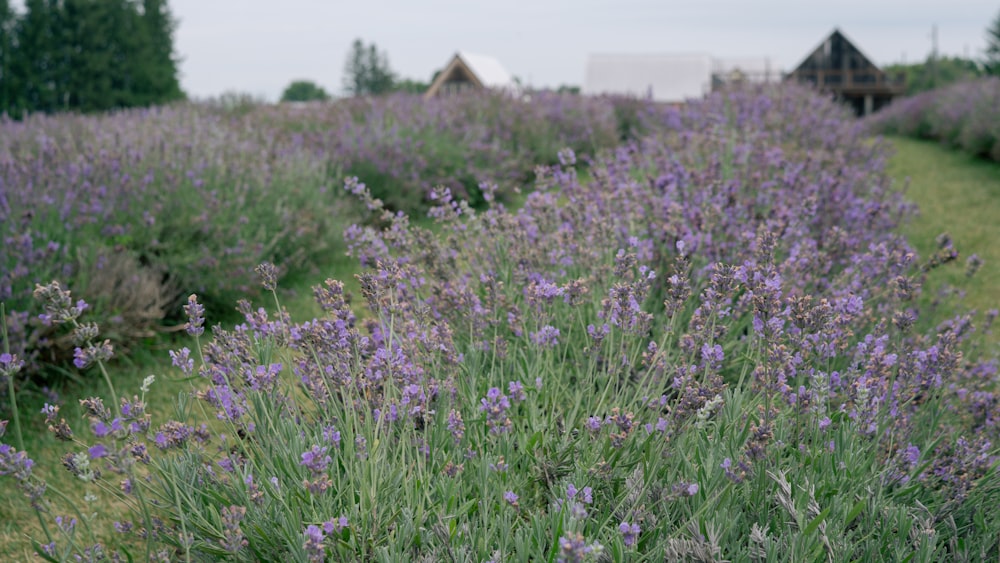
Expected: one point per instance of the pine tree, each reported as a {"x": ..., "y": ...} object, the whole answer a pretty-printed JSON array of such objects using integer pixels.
[
  {"x": 367, "y": 71},
  {"x": 992, "y": 62},
  {"x": 355, "y": 70},
  {"x": 8, "y": 83},
  {"x": 380, "y": 77},
  {"x": 36, "y": 59},
  {"x": 86, "y": 55},
  {"x": 90, "y": 40},
  {"x": 156, "y": 69}
]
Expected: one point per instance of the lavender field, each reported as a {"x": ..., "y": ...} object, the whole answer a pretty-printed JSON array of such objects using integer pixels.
[
  {"x": 965, "y": 115},
  {"x": 699, "y": 338}
]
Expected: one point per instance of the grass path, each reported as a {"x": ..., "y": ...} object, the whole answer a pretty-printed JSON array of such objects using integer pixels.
[{"x": 960, "y": 195}]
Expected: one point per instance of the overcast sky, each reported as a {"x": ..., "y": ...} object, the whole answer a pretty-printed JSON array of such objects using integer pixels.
[{"x": 259, "y": 46}]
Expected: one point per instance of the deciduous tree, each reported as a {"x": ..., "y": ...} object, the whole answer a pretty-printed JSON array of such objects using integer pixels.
[{"x": 304, "y": 91}]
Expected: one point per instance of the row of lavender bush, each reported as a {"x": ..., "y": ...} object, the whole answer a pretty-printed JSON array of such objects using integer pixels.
[
  {"x": 964, "y": 115},
  {"x": 139, "y": 208},
  {"x": 708, "y": 351}
]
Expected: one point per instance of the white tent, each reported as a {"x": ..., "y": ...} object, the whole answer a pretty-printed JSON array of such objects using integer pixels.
[{"x": 661, "y": 77}]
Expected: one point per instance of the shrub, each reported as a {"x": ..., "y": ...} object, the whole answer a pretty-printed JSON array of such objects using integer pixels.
[
  {"x": 964, "y": 116},
  {"x": 149, "y": 206}
]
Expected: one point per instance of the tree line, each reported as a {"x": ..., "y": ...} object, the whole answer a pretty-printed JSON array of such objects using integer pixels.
[
  {"x": 366, "y": 73},
  {"x": 937, "y": 71},
  {"x": 86, "y": 55}
]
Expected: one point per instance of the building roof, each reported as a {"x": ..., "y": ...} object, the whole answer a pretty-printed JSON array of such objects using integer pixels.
[
  {"x": 836, "y": 51},
  {"x": 488, "y": 70},
  {"x": 481, "y": 70},
  {"x": 661, "y": 77}
]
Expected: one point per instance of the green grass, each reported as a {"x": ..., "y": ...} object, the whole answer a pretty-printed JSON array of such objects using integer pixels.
[{"x": 959, "y": 195}]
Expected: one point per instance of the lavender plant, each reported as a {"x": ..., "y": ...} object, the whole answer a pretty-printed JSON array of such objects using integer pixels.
[
  {"x": 708, "y": 351},
  {"x": 137, "y": 209},
  {"x": 962, "y": 115}
]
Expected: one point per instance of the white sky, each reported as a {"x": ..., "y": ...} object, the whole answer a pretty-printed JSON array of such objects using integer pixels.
[{"x": 259, "y": 46}]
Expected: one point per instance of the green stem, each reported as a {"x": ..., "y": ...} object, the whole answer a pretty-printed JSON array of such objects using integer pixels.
[
  {"x": 10, "y": 384},
  {"x": 111, "y": 388},
  {"x": 13, "y": 412}
]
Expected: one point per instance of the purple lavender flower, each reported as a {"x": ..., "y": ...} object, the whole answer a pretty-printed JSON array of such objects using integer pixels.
[
  {"x": 10, "y": 364},
  {"x": 182, "y": 359},
  {"x": 66, "y": 524},
  {"x": 546, "y": 337},
  {"x": 313, "y": 545},
  {"x": 331, "y": 435},
  {"x": 92, "y": 353},
  {"x": 50, "y": 412},
  {"x": 495, "y": 405},
  {"x": 268, "y": 273},
  {"x": 233, "y": 539},
  {"x": 316, "y": 459},
  {"x": 58, "y": 304},
  {"x": 13, "y": 462},
  {"x": 332, "y": 526},
  {"x": 173, "y": 434},
  {"x": 263, "y": 378},
  {"x": 196, "y": 316},
  {"x": 630, "y": 532},
  {"x": 912, "y": 455},
  {"x": 456, "y": 425},
  {"x": 516, "y": 390},
  {"x": 573, "y": 548},
  {"x": 100, "y": 429},
  {"x": 510, "y": 498},
  {"x": 500, "y": 466}
]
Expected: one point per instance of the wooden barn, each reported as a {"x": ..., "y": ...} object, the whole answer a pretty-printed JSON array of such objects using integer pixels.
[
  {"x": 839, "y": 67},
  {"x": 468, "y": 71}
]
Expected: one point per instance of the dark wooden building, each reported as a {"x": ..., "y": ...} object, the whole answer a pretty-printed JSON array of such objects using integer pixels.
[{"x": 839, "y": 67}]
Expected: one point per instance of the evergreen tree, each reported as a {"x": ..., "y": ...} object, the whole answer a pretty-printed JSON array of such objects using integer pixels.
[
  {"x": 380, "y": 77},
  {"x": 992, "y": 62},
  {"x": 86, "y": 55},
  {"x": 157, "y": 75},
  {"x": 367, "y": 71},
  {"x": 8, "y": 84},
  {"x": 91, "y": 35},
  {"x": 355, "y": 70},
  {"x": 36, "y": 58}
]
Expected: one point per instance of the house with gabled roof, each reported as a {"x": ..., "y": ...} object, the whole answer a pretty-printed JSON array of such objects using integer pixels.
[
  {"x": 469, "y": 71},
  {"x": 838, "y": 66}
]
